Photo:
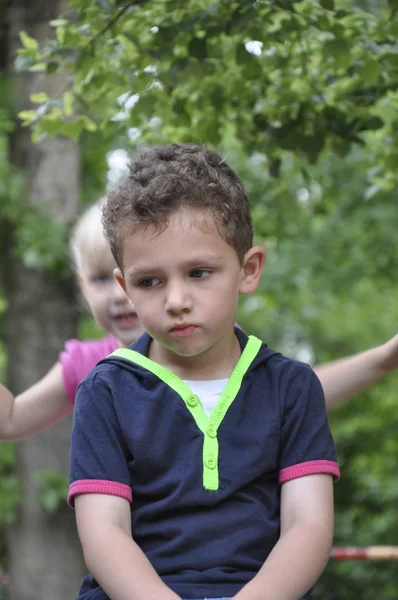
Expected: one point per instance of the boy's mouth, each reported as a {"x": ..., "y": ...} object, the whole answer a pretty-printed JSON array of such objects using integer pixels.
[{"x": 183, "y": 330}]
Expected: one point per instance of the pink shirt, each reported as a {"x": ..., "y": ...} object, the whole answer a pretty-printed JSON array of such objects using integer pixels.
[{"x": 79, "y": 358}]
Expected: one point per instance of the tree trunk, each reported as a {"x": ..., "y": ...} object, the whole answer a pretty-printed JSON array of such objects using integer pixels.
[{"x": 44, "y": 557}]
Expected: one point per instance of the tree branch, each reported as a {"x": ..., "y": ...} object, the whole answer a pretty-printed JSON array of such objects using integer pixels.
[{"x": 115, "y": 18}]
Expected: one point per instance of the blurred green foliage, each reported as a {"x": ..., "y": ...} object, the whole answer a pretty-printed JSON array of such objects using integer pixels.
[
  {"x": 53, "y": 489},
  {"x": 303, "y": 77}
]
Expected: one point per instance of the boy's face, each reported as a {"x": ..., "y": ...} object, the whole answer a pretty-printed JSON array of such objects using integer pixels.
[
  {"x": 107, "y": 301},
  {"x": 184, "y": 283}
]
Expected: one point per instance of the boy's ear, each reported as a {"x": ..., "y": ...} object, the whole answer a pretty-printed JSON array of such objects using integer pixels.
[
  {"x": 119, "y": 276},
  {"x": 252, "y": 269}
]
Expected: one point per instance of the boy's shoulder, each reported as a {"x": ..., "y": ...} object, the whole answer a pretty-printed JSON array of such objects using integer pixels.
[
  {"x": 291, "y": 382},
  {"x": 286, "y": 379},
  {"x": 281, "y": 365}
]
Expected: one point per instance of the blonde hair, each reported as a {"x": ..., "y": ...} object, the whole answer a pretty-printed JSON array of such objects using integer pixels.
[{"x": 87, "y": 236}]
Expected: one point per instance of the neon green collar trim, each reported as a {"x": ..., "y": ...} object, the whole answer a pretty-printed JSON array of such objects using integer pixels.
[{"x": 208, "y": 425}]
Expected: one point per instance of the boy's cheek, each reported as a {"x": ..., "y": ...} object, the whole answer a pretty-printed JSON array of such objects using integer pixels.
[{"x": 147, "y": 310}]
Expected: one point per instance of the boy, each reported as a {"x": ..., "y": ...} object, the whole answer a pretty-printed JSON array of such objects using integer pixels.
[{"x": 202, "y": 461}]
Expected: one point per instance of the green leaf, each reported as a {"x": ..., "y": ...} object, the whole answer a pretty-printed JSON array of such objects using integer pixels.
[
  {"x": 72, "y": 129},
  {"x": 39, "y": 98},
  {"x": 28, "y": 115},
  {"x": 128, "y": 45},
  {"x": 241, "y": 17},
  {"x": 368, "y": 122},
  {"x": 198, "y": 48},
  {"x": 59, "y": 22},
  {"x": 370, "y": 71},
  {"x": 339, "y": 51},
  {"x": 60, "y": 33},
  {"x": 88, "y": 124},
  {"x": 27, "y": 41},
  {"x": 327, "y": 4},
  {"x": 68, "y": 101},
  {"x": 38, "y": 67}
]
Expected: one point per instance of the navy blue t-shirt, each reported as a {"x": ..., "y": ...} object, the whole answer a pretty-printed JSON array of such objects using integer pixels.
[{"x": 204, "y": 490}]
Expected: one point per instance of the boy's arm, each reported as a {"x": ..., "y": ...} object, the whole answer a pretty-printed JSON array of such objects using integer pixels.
[
  {"x": 115, "y": 560},
  {"x": 307, "y": 462},
  {"x": 344, "y": 378},
  {"x": 101, "y": 491},
  {"x": 43, "y": 404},
  {"x": 303, "y": 549}
]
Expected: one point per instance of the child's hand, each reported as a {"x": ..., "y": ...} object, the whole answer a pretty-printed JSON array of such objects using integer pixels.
[{"x": 390, "y": 354}]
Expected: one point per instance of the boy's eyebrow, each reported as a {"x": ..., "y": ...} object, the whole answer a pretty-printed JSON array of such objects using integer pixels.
[
  {"x": 195, "y": 261},
  {"x": 203, "y": 259}
]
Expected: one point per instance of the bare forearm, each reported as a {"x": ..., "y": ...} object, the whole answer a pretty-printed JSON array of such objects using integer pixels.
[
  {"x": 122, "y": 569},
  {"x": 345, "y": 378},
  {"x": 37, "y": 408},
  {"x": 293, "y": 566}
]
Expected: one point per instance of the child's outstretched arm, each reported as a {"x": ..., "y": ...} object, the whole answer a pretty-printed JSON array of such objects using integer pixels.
[
  {"x": 304, "y": 545},
  {"x": 115, "y": 560},
  {"x": 35, "y": 409},
  {"x": 344, "y": 378}
]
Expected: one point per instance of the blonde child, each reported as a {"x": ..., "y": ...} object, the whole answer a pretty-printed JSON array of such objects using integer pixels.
[{"x": 52, "y": 398}]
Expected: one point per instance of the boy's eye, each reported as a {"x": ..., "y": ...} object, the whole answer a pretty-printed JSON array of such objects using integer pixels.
[
  {"x": 199, "y": 273},
  {"x": 149, "y": 282}
]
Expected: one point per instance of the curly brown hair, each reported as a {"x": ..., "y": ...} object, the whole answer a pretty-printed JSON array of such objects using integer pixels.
[{"x": 165, "y": 179}]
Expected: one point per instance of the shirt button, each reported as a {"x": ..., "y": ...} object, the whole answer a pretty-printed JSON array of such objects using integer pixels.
[
  {"x": 192, "y": 401},
  {"x": 210, "y": 462},
  {"x": 211, "y": 431}
]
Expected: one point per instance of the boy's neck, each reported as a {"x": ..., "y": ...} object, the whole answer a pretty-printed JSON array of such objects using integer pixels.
[{"x": 217, "y": 362}]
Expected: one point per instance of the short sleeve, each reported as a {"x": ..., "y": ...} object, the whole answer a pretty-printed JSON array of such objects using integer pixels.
[
  {"x": 68, "y": 359},
  {"x": 99, "y": 454},
  {"x": 79, "y": 357},
  {"x": 306, "y": 446}
]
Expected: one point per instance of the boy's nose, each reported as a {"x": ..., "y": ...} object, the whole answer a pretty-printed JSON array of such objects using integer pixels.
[{"x": 178, "y": 299}]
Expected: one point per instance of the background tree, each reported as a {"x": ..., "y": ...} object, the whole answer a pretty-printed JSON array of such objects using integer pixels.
[{"x": 40, "y": 315}]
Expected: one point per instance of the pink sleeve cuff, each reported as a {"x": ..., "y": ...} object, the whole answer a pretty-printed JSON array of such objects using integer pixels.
[
  {"x": 312, "y": 467},
  {"x": 98, "y": 486}
]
